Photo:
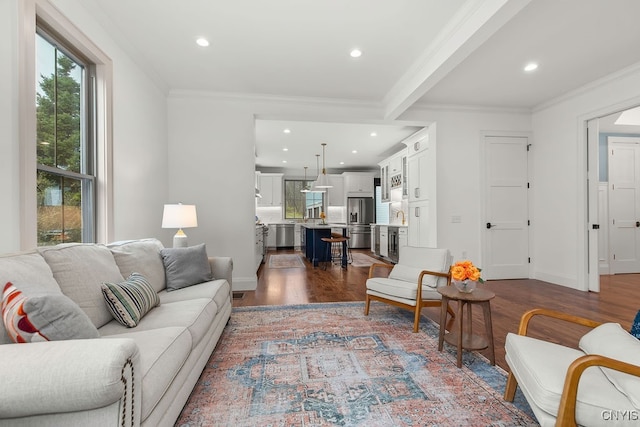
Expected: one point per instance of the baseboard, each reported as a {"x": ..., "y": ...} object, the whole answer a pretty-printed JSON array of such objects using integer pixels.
[
  {"x": 245, "y": 283},
  {"x": 567, "y": 282}
]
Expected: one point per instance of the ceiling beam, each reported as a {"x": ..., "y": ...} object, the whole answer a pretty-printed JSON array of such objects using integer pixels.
[{"x": 475, "y": 22}]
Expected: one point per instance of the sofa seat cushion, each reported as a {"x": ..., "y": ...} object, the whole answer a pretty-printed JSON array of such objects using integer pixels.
[
  {"x": 218, "y": 290},
  {"x": 28, "y": 271},
  {"x": 163, "y": 352},
  {"x": 196, "y": 315},
  {"x": 140, "y": 256},
  {"x": 400, "y": 289},
  {"x": 541, "y": 367},
  {"x": 80, "y": 269}
]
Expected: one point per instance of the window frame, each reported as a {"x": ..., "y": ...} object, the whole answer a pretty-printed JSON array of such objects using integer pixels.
[
  {"x": 299, "y": 194},
  {"x": 88, "y": 143},
  {"x": 42, "y": 11}
]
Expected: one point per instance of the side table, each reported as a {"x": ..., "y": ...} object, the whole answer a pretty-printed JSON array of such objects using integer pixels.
[{"x": 463, "y": 338}]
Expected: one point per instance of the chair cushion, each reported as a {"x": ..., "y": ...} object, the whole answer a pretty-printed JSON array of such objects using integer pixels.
[
  {"x": 130, "y": 300},
  {"x": 612, "y": 341},
  {"x": 540, "y": 368},
  {"x": 412, "y": 260},
  {"x": 401, "y": 289}
]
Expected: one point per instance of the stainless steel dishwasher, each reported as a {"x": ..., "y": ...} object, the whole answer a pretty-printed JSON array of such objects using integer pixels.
[{"x": 285, "y": 236}]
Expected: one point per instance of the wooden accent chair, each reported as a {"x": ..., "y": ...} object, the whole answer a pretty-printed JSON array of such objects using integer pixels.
[
  {"x": 566, "y": 386},
  {"x": 400, "y": 286}
]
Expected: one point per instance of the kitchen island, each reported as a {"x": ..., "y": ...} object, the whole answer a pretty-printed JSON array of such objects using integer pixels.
[{"x": 315, "y": 249}]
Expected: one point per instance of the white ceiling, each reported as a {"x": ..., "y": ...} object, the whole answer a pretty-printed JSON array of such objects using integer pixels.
[{"x": 452, "y": 52}]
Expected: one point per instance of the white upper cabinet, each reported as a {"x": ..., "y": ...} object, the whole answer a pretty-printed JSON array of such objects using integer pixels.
[
  {"x": 335, "y": 194},
  {"x": 358, "y": 184},
  {"x": 270, "y": 185}
]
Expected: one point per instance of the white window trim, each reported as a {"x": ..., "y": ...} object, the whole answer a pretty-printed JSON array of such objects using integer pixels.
[{"x": 44, "y": 10}]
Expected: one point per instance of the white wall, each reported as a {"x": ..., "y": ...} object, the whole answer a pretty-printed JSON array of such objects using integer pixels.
[
  {"x": 9, "y": 154},
  {"x": 559, "y": 166}
]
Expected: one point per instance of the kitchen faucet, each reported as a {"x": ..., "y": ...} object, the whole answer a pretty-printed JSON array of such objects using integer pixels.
[{"x": 400, "y": 212}]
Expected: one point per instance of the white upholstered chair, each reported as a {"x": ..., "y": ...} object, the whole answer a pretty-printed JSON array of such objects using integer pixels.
[
  {"x": 596, "y": 384},
  {"x": 399, "y": 286}
]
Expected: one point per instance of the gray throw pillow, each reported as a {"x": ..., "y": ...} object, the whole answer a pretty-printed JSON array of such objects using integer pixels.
[
  {"x": 185, "y": 266},
  {"x": 43, "y": 317}
]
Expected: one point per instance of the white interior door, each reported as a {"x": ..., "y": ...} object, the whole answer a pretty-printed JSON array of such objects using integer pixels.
[
  {"x": 506, "y": 233},
  {"x": 624, "y": 204}
]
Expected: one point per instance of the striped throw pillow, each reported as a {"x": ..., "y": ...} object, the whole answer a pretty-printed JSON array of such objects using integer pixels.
[{"x": 130, "y": 300}]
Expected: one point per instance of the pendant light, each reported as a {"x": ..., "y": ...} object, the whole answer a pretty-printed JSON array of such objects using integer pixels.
[
  {"x": 315, "y": 189},
  {"x": 323, "y": 179},
  {"x": 305, "y": 186}
]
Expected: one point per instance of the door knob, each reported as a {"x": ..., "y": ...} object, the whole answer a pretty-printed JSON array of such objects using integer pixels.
[
  {"x": 489, "y": 225},
  {"x": 637, "y": 223}
]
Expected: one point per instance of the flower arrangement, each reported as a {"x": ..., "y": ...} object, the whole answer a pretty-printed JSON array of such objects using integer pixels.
[
  {"x": 465, "y": 270},
  {"x": 323, "y": 216}
]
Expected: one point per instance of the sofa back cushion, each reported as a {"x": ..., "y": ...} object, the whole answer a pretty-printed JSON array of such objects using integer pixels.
[
  {"x": 140, "y": 256},
  {"x": 80, "y": 269},
  {"x": 30, "y": 272}
]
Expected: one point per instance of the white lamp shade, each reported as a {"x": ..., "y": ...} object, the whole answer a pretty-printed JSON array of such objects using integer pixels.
[
  {"x": 323, "y": 181},
  {"x": 179, "y": 216}
]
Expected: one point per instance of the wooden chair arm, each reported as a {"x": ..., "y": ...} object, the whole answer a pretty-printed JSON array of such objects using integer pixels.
[
  {"x": 567, "y": 408},
  {"x": 379, "y": 265},
  {"x": 431, "y": 273},
  {"x": 526, "y": 318}
]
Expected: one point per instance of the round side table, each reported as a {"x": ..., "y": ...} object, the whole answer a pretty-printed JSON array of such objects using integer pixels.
[{"x": 463, "y": 337}]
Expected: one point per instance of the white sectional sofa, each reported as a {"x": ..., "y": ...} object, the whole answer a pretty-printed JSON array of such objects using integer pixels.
[{"x": 119, "y": 376}]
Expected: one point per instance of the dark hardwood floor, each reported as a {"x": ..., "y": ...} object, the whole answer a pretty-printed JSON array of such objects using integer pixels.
[{"x": 618, "y": 301}]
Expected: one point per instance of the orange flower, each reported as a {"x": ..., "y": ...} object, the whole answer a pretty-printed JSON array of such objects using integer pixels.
[{"x": 465, "y": 270}]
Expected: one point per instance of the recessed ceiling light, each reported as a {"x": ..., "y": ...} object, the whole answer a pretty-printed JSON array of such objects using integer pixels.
[
  {"x": 284, "y": 161},
  {"x": 287, "y": 131},
  {"x": 374, "y": 134},
  {"x": 342, "y": 163},
  {"x": 356, "y": 53},
  {"x": 201, "y": 41},
  {"x": 531, "y": 66},
  {"x": 355, "y": 151},
  {"x": 285, "y": 149}
]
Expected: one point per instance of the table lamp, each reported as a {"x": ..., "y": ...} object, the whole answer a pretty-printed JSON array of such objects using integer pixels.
[{"x": 179, "y": 216}]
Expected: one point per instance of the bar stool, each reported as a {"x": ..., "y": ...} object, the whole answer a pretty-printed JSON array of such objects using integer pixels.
[
  {"x": 334, "y": 249},
  {"x": 349, "y": 256}
]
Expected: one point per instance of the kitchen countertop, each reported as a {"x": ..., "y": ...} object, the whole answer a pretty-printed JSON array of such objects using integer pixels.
[
  {"x": 390, "y": 225},
  {"x": 321, "y": 226}
]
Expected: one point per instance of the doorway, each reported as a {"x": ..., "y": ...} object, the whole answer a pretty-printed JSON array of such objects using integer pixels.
[{"x": 613, "y": 151}]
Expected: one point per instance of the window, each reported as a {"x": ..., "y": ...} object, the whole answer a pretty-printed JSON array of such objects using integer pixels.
[
  {"x": 299, "y": 205},
  {"x": 65, "y": 145}
]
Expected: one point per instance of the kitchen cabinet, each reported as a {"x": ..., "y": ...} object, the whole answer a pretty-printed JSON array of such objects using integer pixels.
[
  {"x": 270, "y": 185},
  {"x": 402, "y": 237},
  {"x": 384, "y": 240},
  {"x": 373, "y": 238},
  {"x": 335, "y": 194},
  {"x": 358, "y": 184},
  {"x": 421, "y": 230},
  {"x": 419, "y": 176},
  {"x": 259, "y": 246},
  {"x": 385, "y": 194},
  {"x": 271, "y": 237}
]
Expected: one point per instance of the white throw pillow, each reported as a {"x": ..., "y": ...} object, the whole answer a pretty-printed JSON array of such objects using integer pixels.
[{"x": 610, "y": 340}]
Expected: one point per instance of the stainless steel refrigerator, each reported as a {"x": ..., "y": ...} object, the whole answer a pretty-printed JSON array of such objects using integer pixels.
[{"x": 360, "y": 216}]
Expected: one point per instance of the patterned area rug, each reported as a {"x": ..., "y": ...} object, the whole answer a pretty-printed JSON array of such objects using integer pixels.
[
  {"x": 329, "y": 365},
  {"x": 285, "y": 261},
  {"x": 362, "y": 260}
]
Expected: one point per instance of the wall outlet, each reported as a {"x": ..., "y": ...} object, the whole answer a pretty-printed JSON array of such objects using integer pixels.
[{"x": 464, "y": 254}]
